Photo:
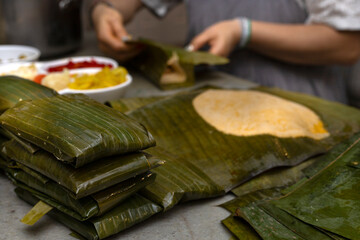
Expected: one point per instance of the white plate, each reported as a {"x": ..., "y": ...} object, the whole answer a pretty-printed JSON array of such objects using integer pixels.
[
  {"x": 101, "y": 94},
  {"x": 18, "y": 53}
]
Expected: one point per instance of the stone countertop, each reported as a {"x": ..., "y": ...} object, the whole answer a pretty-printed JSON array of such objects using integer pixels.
[{"x": 199, "y": 219}]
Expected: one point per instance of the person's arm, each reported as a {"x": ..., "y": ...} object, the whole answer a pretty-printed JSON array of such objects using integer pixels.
[
  {"x": 109, "y": 23},
  {"x": 300, "y": 44}
]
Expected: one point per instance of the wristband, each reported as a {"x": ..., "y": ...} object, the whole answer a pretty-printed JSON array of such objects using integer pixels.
[{"x": 245, "y": 25}]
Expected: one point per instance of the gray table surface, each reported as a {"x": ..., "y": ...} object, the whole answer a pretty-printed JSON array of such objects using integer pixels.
[{"x": 199, "y": 219}]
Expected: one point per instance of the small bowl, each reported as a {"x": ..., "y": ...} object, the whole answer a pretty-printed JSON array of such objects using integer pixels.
[
  {"x": 102, "y": 94},
  {"x": 18, "y": 53}
]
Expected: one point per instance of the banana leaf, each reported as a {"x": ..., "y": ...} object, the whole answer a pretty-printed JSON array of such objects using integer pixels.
[
  {"x": 14, "y": 89},
  {"x": 85, "y": 208},
  {"x": 89, "y": 179},
  {"x": 275, "y": 178},
  {"x": 76, "y": 129},
  {"x": 330, "y": 199},
  {"x": 127, "y": 104},
  {"x": 226, "y": 160},
  {"x": 170, "y": 67},
  {"x": 136, "y": 209}
]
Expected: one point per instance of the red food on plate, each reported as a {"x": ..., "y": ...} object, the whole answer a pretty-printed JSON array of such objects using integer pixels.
[{"x": 82, "y": 64}]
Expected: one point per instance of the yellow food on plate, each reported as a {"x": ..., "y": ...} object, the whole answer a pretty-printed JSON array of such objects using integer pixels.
[
  {"x": 249, "y": 113},
  {"x": 105, "y": 78}
]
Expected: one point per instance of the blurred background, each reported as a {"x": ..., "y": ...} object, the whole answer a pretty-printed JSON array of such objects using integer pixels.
[{"x": 63, "y": 26}]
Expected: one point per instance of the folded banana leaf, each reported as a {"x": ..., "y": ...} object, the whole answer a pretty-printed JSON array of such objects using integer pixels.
[
  {"x": 170, "y": 67},
  {"x": 227, "y": 160},
  {"x": 75, "y": 128},
  {"x": 14, "y": 89},
  {"x": 89, "y": 179},
  {"x": 81, "y": 209},
  {"x": 136, "y": 209},
  {"x": 330, "y": 199}
]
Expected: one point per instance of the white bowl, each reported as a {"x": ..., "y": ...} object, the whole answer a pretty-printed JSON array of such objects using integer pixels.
[
  {"x": 18, "y": 53},
  {"x": 102, "y": 94}
]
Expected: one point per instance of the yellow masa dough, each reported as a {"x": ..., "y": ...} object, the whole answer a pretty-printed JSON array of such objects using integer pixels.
[{"x": 248, "y": 113}]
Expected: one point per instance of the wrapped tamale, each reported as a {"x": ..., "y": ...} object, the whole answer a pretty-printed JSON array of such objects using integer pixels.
[
  {"x": 170, "y": 67},
  {"x": 14, "y": 89},
  {"x": 136, "y": 209},
  {"x": 294, "y": 127},
  {"x": 88, "y": 179},
  {"x": 84, "y": 208},
  {"x": 75, "y": 129}
]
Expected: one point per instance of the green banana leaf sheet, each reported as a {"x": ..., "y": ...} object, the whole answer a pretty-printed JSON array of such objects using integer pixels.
[
  {"x": 76, "y": 129},
  {"x": 88, "y": 179},
  {"x": 84, "y": 208},
  {"x": 136, "y": 209},
  {"x": 14, "y": 89},
  {"x": 330, "y": 199},
  {"x": 261, "y": 212},
  {"x": 227, "y": 161},
  {"x": 157, "y": 60}
]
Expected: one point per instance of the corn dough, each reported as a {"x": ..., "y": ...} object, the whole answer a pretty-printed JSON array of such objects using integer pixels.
[{"x": 249, "y": 113}]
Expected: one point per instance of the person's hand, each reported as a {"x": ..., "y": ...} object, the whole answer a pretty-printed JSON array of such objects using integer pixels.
[
  {"x": 110, "y": 30},
  {"x": 222, "y": 38}
]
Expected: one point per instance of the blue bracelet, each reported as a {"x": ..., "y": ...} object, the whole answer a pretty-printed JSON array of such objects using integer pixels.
[{"x": 245, "y": 25}]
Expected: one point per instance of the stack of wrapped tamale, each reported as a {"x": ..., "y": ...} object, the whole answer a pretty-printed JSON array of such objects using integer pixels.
[{"x": 75, "y": 155}]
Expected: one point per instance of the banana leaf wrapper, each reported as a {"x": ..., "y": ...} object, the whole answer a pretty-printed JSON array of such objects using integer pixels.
[
  {"x": 87, "y": 207},
  {"x": 330, "y": 199},
  {"x": 226, "y": 160},
  {"x": 76, "y": 129},
  {"x": 170, "y": 67},
  {"x": 89, "y": 179},
  {"x": 136, "y": 209},
  {"x": 14, "y": 89}
]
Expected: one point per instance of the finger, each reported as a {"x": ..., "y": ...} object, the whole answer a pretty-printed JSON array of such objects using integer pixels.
[
  {"x": 219, "y": 47},
  {"x": 106, "y": 35},
  {"x": 201, "y": 40}
]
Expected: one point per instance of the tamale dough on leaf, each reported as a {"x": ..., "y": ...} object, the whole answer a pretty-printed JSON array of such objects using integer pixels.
[
  {"x": 224, "y": 161},
  {"x": 249, "y": 113}
]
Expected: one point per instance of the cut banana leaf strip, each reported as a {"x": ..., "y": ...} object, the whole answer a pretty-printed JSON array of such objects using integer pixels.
[
  {"x": 240, "y": 228},
  {"x": 14, "y": 89},
  {"x": 274, "y": 178},
  {"x": 273, "y": 223},
  {"x": 170, "y": 67},
  {"x": 36, "y": 213},
  {"x": 330, "y": 199},
  {"x": 86, "y": 180},
  {"x": 75, "y": 128},
  {"x": 229, "y": 160},
  {"x": 134, "y": 210}
]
